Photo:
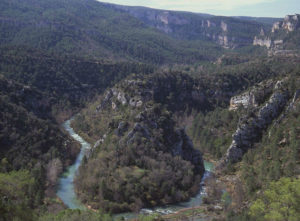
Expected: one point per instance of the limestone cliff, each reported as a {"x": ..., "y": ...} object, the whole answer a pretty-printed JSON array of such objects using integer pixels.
[
  {"x": 290, "y": 23},
  {"x": 281, "y": 39},
  {"x": 250, "y": 128},
  {"x": 225, "y": 31},
  {"x": 253, "y": 97},
  {"x": 262, "y": 42}
]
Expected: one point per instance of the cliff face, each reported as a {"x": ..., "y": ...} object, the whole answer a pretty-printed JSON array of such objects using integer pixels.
[
  {"x": 252, "y": 98},
  {"x": 250, "y": 129},
  {"x": 281, "y": 39},
  {"x": 227, "y": 32},
  {"x": 289, "y": 24},
  {"x": 262, "y": 42},
  {"x": 245, "y": 100}
]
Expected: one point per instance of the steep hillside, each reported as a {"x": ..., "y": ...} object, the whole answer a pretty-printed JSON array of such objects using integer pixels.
[
  {"x": 29, "y": 141},
  {"x": 139, "y": 118},
  {"x": 69, "y": 81},
  {"x": 26, "y": 139},
  {"x": 141, "y": 159},
  {"x": 256, "y": 138},
  {"x": 91, "y": 29},
  {"x": 228, "y": 32},
  {"x": 273, "y": 164},
  {"x": 158, "y": 90},
  {"x": 283, "y": 39}
]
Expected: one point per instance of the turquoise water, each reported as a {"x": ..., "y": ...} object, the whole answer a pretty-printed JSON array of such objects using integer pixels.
[
  {"x": 67, "y": 194},
  {"x": 66, "y": 183}
]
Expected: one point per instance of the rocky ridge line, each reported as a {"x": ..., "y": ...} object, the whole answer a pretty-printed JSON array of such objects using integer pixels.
[
  {"x": 250, "y": 130},
  {"x": 137, "y": 95},
  {"x": 274, "y": 41}
]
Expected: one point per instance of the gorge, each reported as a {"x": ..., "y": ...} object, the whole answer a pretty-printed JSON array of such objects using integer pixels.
[
  {"x": 155, "y": 95},
  {"x": 67, "y": 194}
]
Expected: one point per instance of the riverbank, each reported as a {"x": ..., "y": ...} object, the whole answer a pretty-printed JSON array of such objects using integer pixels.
[
  {"x": 68, "y": 196},
  {"x": 66, "y": 191}
]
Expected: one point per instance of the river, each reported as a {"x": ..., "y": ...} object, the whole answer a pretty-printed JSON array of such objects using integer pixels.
[{"x": 66, "y": 185}]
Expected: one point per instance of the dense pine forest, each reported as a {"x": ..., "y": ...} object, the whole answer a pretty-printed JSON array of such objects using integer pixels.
[{"x": 157, "y": 94}]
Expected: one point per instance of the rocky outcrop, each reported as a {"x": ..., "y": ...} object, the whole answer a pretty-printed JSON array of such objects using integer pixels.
[
  {"x": 262, "y": 42},
  {"x": 223, "y": 41},
  {"x": 289, "y": 24},
  {"x": 250, "y": 128},
  {"x": 140, "y": 99},
  {"x": 139, "y": 130},
  {"x": 137, "y": 93},
  {"x": 252, "y": 98},
  {"x": 142, "y": 145},
  {"x": 290, "y": 107},
  {"x": 278, "y": 39},
  {"x": 196, "y": 26},
  {"x": 268, "y": 42},
  {"x": 246, "y": 100},
  {"x": 250, "y": 131},
  {"x": 122, "y": 128},
  {"x": 285, "y": 53},
  {"x": 224, "y": 26},
  {"x": 296, "y": 95}
]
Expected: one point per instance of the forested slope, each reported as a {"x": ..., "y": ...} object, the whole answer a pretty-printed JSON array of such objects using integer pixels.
[
  {"x": 91, "y": 29},
  {"x": 153, "y": 88},
  {"x": 68, "y": 81}
]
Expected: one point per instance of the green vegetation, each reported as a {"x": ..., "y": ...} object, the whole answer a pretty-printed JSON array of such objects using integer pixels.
[
  {"x": 276, "y": 156},
  {"x": 135, "y": 165},
  {"x": 18, "y": 196},
  {"x": 57, "y": 57},
  {"x": 68, "y": 82},
  {"x": 76, "y": 215},
  {"x": 212, "y": 132},
  {"x": 272, "y": 167},
  {"x": 29, "y": 141},
  {"x": 278, "y": 153},
  {"x": 196, "y": 26},
  {"x": 92, "y": 29},
  {"x": 25, "y": 139},
  {"x": 280, "y": 201}
]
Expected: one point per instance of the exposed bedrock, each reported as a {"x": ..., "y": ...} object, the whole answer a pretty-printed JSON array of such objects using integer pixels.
[{"x": 250, "y": 130}]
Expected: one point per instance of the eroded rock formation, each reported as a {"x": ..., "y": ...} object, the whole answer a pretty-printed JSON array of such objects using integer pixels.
[
  {"x": 250, "y": 129},
  {"x": 290, "y": 23},
  {"x": 252, "y": 98},
  {"x": 276, "y": 41},
  {"x": 137, "y": 97}
]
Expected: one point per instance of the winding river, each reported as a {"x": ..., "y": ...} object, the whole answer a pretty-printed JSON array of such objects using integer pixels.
[{"x": 66, "y": 185}]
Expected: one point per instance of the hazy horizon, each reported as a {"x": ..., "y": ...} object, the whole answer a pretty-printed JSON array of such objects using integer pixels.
[{"x": 254, "y": 8}]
